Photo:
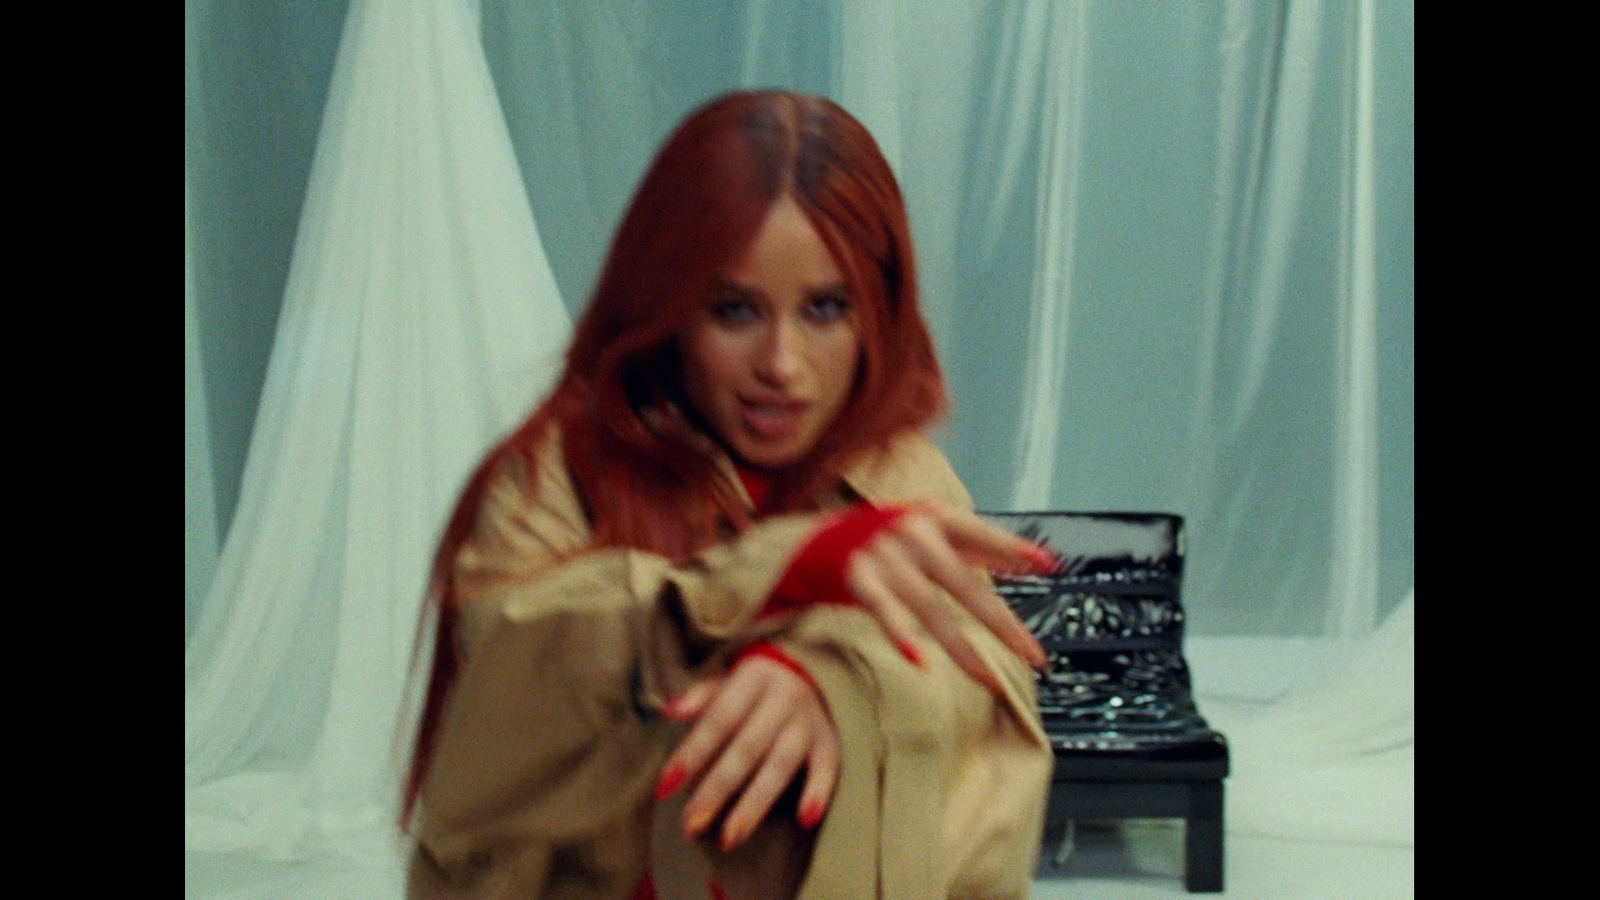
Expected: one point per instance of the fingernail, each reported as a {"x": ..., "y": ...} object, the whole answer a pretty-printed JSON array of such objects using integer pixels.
[
  {"x": 910, "y": 652},
  {"x": 671, "y": 780},
  {"x": 696, "y": 823},
  {"x": 1040, "y": 660},
  {"x": 1043, "y": 560},
  {"x": 733, "y": 835},
  {"x": 810, "y": 814},
  {"x": 672, "y": 709}
]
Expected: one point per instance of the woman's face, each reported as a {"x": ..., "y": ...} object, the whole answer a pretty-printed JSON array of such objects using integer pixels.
[{"x": 770, "y": 356}]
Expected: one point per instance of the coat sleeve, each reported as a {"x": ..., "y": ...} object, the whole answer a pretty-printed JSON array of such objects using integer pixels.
[
  {"x": 550, "y": 742},
  {"x": 943, "y": 786},
  {"x": 550, "y": 745}
]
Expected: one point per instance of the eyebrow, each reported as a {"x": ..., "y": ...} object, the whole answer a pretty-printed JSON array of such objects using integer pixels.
[{"x": 722, "y": 287}]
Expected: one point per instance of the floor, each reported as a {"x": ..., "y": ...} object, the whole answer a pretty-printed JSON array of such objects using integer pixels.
[
  {"x": 1143, "y": 860},
  {"x": 1134, "y": 860},
  {"x": 1129, "y": 860}
]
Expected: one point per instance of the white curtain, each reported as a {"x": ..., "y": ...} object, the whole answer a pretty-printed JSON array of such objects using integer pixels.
[
  {"x": 1166, "y": 254},
  {"x": 419, "y": 322},
  {"x": 1165, "y": 295}
]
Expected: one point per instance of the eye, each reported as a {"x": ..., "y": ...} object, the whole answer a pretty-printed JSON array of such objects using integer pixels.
[
  {"x": 828, "y": 307},
  {"x": 732, "y": 309}
]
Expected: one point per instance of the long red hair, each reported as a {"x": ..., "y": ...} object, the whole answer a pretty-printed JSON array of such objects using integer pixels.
[{"x": 694, "y": 215}]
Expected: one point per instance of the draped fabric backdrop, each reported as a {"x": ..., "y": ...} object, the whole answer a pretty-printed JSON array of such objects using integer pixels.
[
  {"x": 1167, "y": 254},
  {"x": 420, "y": 319}
]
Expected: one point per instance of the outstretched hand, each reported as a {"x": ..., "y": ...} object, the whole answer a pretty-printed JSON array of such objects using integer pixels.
[
  {"x": 757, "y": 725},
  {"x": 753, "y": 729},
  {"x": 899, "y": 574}
]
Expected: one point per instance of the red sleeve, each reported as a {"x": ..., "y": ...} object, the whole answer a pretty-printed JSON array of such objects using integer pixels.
[
  {"x": 817, "y": 573},
  {"x": 773, "y": 652}
]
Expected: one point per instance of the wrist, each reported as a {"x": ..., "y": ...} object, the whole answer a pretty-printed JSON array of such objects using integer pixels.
[
  {"x": 817, "y": 573},
  {"x": 769, "y": 650}
]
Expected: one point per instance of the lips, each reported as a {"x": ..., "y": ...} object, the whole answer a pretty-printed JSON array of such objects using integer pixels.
[{"x": 774, "y": 419}]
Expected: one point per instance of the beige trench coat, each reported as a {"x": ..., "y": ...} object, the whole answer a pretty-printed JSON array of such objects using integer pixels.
[{"x": 542, "y": 781}]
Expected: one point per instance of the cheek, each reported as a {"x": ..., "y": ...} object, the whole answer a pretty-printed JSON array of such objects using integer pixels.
[
  {"x": 843, "y": 360},
  {"x": 710, "y": 365}
]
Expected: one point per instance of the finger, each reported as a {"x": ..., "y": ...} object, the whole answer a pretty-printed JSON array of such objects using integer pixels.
[
  {"x": 1002, "y": 621},
  {"x": 822, "y": 774},
  {"x": 693, "y": 701},
  {"x": 891, "y": 583},
  {"x": 903, "y": 576},
  {"x": 925, "y": 538},
  {"x": 727, "y": 704},
  {"x": 872, "y": 577},
  {"x": 985, "y": 544},
  {"x": 946, "y": 631},
  {"x": 745, "y": 748},
  {"x": 776, "y": 771}
]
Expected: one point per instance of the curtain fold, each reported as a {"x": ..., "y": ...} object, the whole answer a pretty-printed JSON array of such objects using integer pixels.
[
  {"x": 199, "y": 487},
  {"x": 1353, "y": 604},
  {"x": 1064, "y": 65},
  {"x": 419, "y": 322}
]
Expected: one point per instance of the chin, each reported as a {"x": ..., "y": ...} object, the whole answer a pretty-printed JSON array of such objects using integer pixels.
[
  {"x": 772, "y": 463},
  {"x": 771, "y": 458}
]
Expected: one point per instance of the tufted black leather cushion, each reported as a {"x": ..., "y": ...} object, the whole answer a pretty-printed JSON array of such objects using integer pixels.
[{"x": 1116, "y": 697}]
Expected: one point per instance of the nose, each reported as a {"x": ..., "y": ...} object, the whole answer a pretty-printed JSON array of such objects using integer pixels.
[{"x": 781, "y": 356}]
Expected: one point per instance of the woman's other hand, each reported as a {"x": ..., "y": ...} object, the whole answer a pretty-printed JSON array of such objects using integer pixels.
[
  {"x": 754, "y": 728},
  {"x": 899, "y": 574}
]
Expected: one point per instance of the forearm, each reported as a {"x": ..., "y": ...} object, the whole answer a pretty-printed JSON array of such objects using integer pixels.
[
  {"x": 565, "y": 665},
  {"x": 932, "y": 764}
]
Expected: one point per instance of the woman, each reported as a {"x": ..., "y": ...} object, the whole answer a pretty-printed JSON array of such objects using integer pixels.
[{"x": 712, "y": 622}]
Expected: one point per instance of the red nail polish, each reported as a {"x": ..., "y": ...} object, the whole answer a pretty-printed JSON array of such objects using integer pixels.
[
  {"x": 910, "y": 652},
  {"x": 672, "y": 709},
  {"x": 810, "y": 814},
  {"x": 671, "y": 780},
  {"x": 1043, "y": 561}
]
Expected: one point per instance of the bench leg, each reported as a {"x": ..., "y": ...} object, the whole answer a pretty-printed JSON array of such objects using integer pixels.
[{"x": 1202, "y": 838}]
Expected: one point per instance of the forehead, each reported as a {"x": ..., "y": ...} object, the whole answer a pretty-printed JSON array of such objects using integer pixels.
[{"x": 786, "y": 250}]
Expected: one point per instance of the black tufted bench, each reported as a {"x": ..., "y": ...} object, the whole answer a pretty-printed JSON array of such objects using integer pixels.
[{"x": 1115, "y": 699}]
